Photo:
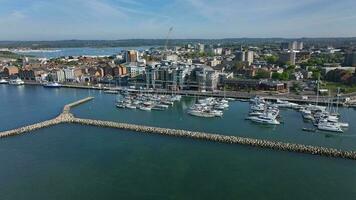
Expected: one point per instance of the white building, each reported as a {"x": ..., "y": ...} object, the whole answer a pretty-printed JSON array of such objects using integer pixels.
[
  {"x": 135, "y": 71},
  {"x": 60, "y": 76},
  {"x": 69, "y": 74},
  {"x": 218, "y": 51}
]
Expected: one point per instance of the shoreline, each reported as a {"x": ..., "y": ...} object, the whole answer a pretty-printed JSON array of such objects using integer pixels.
[{"x": 236, "y": 94}]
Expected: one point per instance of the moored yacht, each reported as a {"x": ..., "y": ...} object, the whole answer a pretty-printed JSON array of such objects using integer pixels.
[
  {"x": 329, "y": 126},
  {"x": 17, "y": 81},
  {"x": 265, "y": 118},
  {"x": 52, "y": 85},
  {"x": 200, "y": 113},
  {"x": 3, "y": 81}
]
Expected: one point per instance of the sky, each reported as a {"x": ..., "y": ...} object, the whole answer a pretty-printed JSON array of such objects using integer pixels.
[{"x": 151, "y": 19}]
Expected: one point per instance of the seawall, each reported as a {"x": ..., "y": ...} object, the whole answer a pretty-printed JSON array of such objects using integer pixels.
[{"x": 291, "y": 147}]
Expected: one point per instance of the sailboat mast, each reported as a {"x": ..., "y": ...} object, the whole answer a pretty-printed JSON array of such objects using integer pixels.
[{"x": 317, "y": 91}]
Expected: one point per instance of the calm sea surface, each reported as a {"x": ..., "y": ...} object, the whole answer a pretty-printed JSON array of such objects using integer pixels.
[
  {"x": 87, "y": 51},
  {"x": 80, "y": 162}
]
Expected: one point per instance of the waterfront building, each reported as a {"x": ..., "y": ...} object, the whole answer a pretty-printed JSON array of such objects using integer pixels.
[
  {"x": 108, "y": 70},
  {"x": 119, "y": 70},
  {"x": 167, "y": 75},
  {"x": 60, "y": 76},
  {"x": 203, "y": 78},
  {"x": 135, "y": 70},
  {"x": 10, "y": 71},
  {"x": 27, "y": 74},
  {"x": 253, "y": 84},
  {"x": 69, "y": 74}
]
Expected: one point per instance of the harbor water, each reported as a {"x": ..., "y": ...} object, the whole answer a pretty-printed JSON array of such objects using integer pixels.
[
  {"x": 83, "y": 51},
  {"x": 79, "y": 162}
]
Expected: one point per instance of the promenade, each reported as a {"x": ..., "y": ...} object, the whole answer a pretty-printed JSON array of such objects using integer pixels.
[{"x": 67, "y": 117}]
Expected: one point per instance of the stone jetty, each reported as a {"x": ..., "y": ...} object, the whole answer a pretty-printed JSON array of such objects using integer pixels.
[
  {"x": 299, "y": 148},
  {"x": 64, "y": 117},
  {"x": 67, "y": 117}
]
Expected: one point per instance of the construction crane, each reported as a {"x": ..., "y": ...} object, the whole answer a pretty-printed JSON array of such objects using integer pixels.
[{"x": 167, "y": 38}]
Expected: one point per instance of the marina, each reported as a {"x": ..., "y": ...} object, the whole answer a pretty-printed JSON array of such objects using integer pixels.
[
  {"x": 67, "y": 117},
  {"x": 146, "y": 102},
  {"x": 74, "y": 143}
]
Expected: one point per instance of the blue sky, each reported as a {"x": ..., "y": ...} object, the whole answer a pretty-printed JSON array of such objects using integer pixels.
[{"x": 122, "y": 19}]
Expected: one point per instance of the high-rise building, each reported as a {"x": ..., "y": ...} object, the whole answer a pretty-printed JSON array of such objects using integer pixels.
[
  {"x": 285, "y": 45},
  {"x": 287, "y": 57},
  {"x": 350, "y": 59},
  {"x": 131, "y": 56},
  {"x": 201, "y": 48},
  {"x": 245, "y": 56},
  {"x": 295, "y": 45},
  {"x": 249, "y": 57},
  {"x": 300, "y": 46}
]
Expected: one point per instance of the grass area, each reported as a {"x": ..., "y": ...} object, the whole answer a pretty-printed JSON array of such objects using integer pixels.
[{"x": 332, "y": 87}]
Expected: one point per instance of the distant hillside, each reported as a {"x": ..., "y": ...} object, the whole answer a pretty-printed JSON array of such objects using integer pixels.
[
  {"x": 160, "y": 42},
  {"x": 9, "y": 55}
]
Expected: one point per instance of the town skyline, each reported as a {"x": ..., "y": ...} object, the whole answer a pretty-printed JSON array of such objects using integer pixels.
[{"x": 121, "y": 19}]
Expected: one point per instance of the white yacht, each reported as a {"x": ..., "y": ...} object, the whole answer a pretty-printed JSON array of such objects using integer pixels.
[
  {"x": 307, "y": 114},
  {"x": 328, "y": 126},
  {"x": 258, "y": 107},
  {"x": 265, "y": 118},
  {"x": 285, "y": 104},
  {"x": 200, "y": 113},
  {"x": 120, "y": 105},
  {"x": 52, "y": 85},
  {"x": 130, "y": 106},
  {"x": 145, "y": 108},
  {"x": 3, "y": 81},
  {"x": 17, "y": 81}
]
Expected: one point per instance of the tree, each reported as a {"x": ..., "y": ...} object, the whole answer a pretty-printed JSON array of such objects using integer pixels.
[
  {"x": 284, "y": 76},
  {"x": 296, "y": 87},
  {"x": 271, "y": 59},
  {"x": 261, "y": 74},
  {"x": 276, "y": 76},
  {"x": 316, "y": 75}
]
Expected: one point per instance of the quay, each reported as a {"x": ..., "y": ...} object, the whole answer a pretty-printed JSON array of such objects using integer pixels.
[
  {"x": 270, "y": 96},
  {"x": 67, "y": 117}
]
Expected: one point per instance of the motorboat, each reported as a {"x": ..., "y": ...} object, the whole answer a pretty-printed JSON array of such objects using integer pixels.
[
  {"x": 331, "y": 127},
  {"x": 265, "y": 119},
  {"x": 52, "y": 85},
  {"x": 111, "y": 92},
  {"x": 200, "y": 113},
  {"x": 285, "y": 104},
  {"x": 17, "y": 81},
  {"x": 145, "y": 108},
  {"x": 120, "y": 106},
  {"x": 130, "y": 106},
  {"x": 3, "y": 81}
]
